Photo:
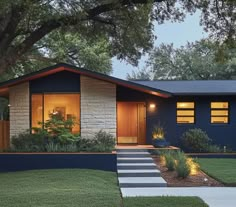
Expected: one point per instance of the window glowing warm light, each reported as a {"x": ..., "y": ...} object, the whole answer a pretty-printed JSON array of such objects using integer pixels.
[
  {"x": 219, "y": 112},
  {"x": 44, "y": 105},
  {"x": 185, "y": 112}
]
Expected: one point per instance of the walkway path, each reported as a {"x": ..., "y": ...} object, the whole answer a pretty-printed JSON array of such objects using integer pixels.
[
  {"x": 138, "y": 176},
  {"x": 213, "y": 196},
  {"x": 136, "y": 169}
]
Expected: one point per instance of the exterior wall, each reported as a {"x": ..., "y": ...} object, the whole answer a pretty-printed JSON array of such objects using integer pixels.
[
  {"x": 61, "y": 82},
  {"x": 165, "y": 113},
  {"x": 19, "y": 109},
  {"x": 98, "y": 106}
]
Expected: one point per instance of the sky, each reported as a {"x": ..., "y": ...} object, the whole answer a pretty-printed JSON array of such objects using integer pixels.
[{"x": 177, "y": 33}]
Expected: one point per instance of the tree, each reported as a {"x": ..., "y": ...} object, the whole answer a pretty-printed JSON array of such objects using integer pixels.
[
  {"x": 195, "y": 61},
  {"x": 142, "y": 74},
  {"x": 60, "y": 46},
  {"x": 126, "y": 24}
]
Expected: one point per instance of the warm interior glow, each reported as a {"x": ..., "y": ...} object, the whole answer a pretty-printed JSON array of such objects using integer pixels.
[
  {"x": 185, "y": 120},
  {"x": 219, "y": 105},
  {"x": 219, "y": 112},
  {"x": 185, "y": 105},
  {"x": 185, "y": 112},
  {"x": 152, "y": 105},
  {"x": 68, "y": 105},
  {"x": 218, "y": 120},
  {"x": 37, "y": 110}
]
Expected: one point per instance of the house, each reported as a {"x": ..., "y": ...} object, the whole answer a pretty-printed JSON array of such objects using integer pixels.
[{"x": 126, "y": 109}]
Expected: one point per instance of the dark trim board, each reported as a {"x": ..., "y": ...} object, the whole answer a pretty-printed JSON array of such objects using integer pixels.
[{"x": 34, "y": 161}]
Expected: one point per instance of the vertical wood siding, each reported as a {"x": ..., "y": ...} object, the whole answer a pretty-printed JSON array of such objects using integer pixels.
[{"x": 4, "y": 134}]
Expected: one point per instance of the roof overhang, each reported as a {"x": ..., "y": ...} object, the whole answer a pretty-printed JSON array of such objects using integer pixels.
[{"x": 4, "y": 87}]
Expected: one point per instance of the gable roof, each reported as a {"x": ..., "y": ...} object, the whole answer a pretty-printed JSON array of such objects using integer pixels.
[
  {"x": 194, "y": 87},
  {"x": 4, "y": 86}
]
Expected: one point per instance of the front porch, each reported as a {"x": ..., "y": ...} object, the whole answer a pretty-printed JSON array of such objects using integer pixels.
[{"x": 146, "y": 147}]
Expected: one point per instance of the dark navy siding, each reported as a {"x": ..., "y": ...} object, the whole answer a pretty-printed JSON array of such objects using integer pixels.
[
  {"x": 59, "y": 82},
  {"x": 165, "y": 113},
  {"x": 28, "y": 161}
]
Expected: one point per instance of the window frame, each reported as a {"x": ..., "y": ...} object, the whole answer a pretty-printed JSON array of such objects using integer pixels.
[
  {"x": 220, "y": 109},
  {"x": 186, "y": 109},
  {"x": 51, "y": 93}
]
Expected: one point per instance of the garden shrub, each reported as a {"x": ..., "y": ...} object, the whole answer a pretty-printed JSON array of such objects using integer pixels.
[
  {"x": 56, "y": 147},
  {"x": 182, "y": 166},
  {"x": 27, "y": 142},
  {"x": 169, "y": 161},
  {"x": 195, "y": 140},
  {"x": 102, "y": 142},
  {"x": 214, "y": 148}
]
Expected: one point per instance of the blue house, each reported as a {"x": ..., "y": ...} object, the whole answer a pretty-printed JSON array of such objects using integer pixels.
[{"x": 126, "y": 109}]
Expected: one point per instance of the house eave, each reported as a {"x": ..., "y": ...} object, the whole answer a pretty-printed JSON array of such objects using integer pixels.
[{"x": 65, "y": 67}]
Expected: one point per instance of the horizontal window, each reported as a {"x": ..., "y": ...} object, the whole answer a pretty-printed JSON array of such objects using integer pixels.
[
  {"x": 185, "y": 112},
  {"x": 219, "y": 120},
  {"x": 219, "y": 112},
  {"x": 185, "y": 105},
  {"x": 185, "y": 120},
  {"x": 219, "y": 105}
]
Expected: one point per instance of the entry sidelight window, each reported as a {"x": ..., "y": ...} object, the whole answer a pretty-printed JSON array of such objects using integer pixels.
[
  {"x": 219, "y": 112},
  {"x": 185, "y": 112}
]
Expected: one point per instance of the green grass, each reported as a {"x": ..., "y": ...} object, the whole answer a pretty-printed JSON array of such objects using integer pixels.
[
  {"x": 74, "y": 187},
  {"x": 223, "y": 170},
  {"x": 164, "y": 202},
  {"x": 55, "y": 188}
]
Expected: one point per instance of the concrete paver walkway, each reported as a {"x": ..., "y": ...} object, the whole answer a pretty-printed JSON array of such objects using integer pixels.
[{"x": 213, "y": 196}]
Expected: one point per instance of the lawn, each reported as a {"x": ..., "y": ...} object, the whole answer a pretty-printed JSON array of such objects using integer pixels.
[
  {"x": 74, "y": 187},
  {"x": 223, "y": 170},
  {"x": 164, "y": 202},
  {"x": 57, "y": 188}
]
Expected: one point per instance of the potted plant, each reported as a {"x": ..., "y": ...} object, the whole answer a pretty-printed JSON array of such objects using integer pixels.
[{"x": 158, "y": 136}]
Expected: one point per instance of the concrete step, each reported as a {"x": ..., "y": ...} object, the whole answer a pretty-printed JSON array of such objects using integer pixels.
[
  {"x": 134, "y": 160},
  {"x": 141, "y": 182},
  {"x": 133, "y": 154},
  {"x": 131, "y": 166},
  {"x": 131, "y": 150},
  {"x": 139, "y": 173}
]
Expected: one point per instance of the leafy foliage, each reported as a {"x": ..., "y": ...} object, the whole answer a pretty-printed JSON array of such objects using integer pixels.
[
  {"x": 102, "y": 142},
  {"x": 195, "y": 61},
  {"x": 195, "y": 140},
  {"x": 27, "y": 27},
  {"x": 169, "y": 161},
  {"x": 182, "y": 166},
  {"x": 26, "y": 142}
]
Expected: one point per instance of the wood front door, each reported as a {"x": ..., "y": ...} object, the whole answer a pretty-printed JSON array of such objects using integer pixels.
[{"x": 131, "y": 123}]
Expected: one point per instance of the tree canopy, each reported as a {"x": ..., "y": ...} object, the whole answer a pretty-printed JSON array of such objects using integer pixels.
[
  {"x": 126, "y": 26},
  {"x": 195, "y": 61}
]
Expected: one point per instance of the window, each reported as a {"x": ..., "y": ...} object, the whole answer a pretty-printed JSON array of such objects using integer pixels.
[
  {"x": 219, "y": 112},
  {"x": 185, "y": 112},
  {"x": 42, "y": 105}
]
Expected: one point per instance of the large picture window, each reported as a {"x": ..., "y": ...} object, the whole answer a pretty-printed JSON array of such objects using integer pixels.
[
  {"x": 67, "y": 105},
  {"x": 185, "y": 112},
  {"x": 219, "y": 112}
]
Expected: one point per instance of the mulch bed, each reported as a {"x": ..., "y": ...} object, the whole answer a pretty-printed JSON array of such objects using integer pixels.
[{"x": 201, "y": 179}]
